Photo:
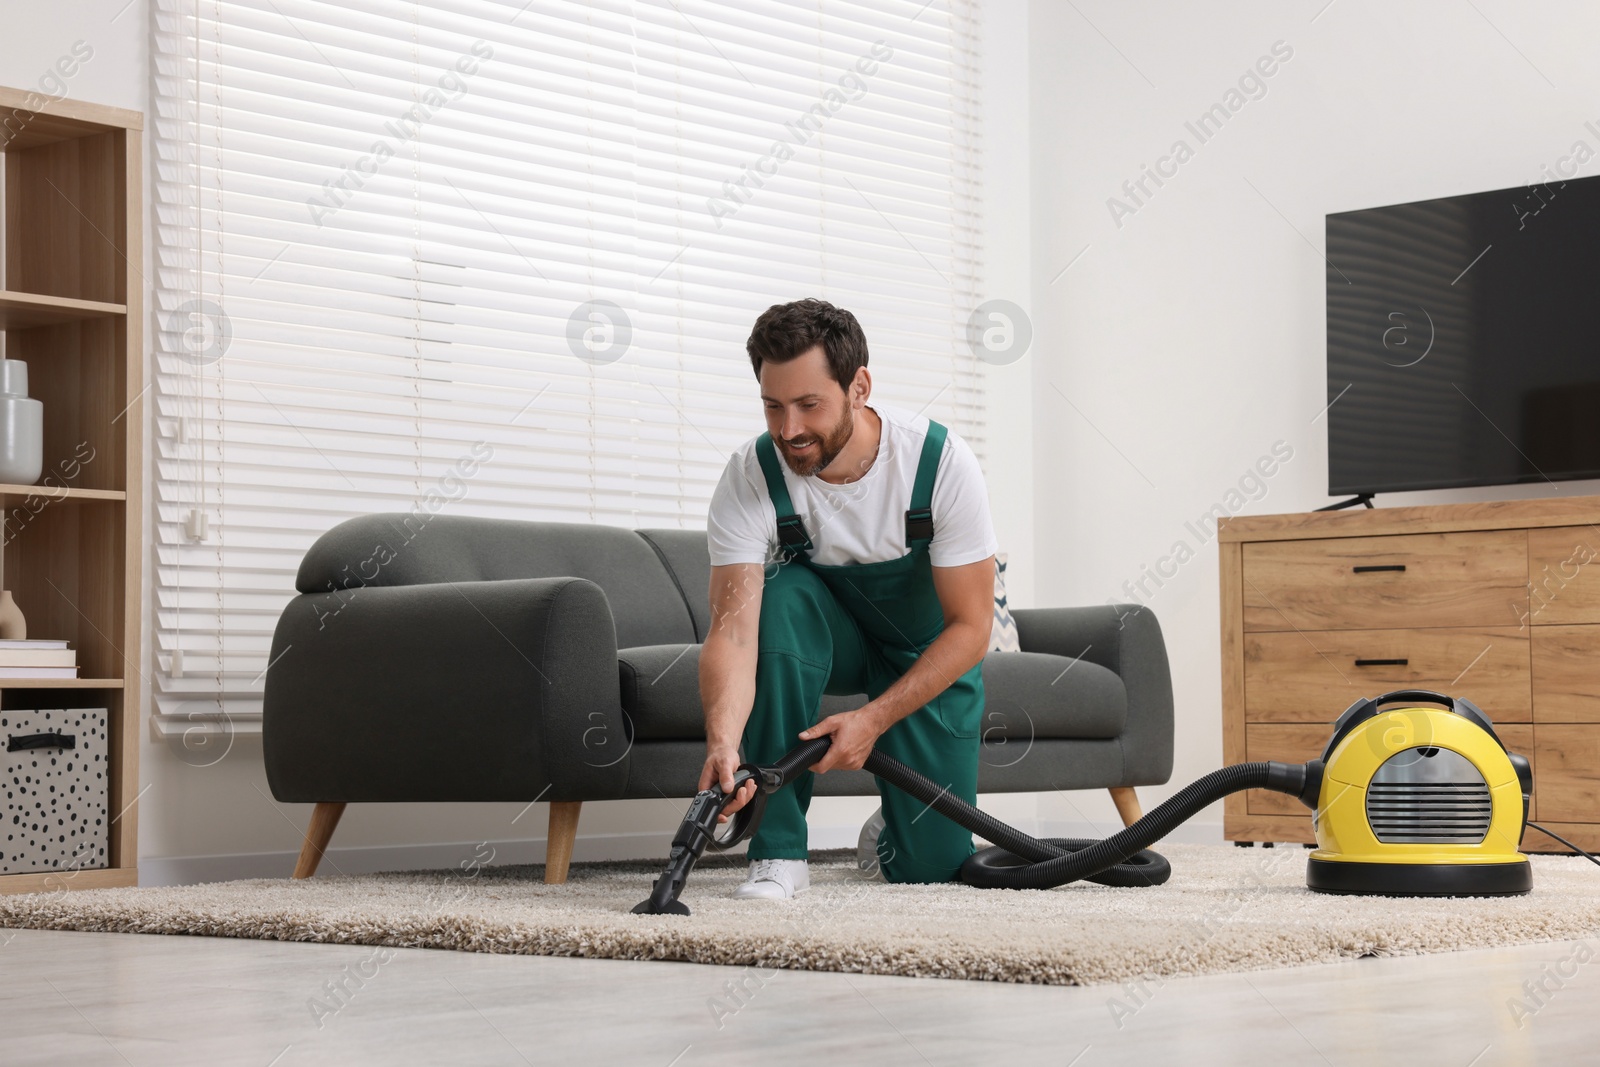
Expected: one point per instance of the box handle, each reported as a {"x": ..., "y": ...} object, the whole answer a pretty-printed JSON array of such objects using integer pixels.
[
  {"x": 1369, "y": 568},
  {"x": 1382, "y": 662},
  {"x": 50, "y": 740}
]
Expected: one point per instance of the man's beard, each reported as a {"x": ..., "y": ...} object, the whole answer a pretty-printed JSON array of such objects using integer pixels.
[{"x": 826, "y": 452}]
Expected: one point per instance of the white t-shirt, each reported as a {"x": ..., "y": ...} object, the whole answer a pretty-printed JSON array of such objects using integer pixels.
[{"x": 865, "y": 520}]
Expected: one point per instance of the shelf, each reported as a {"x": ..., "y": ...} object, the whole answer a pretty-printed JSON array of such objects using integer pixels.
[
  {"x": 61, "y": 492},
  {"x": 50, "y": 881},
  {"x": 23, "y": 311},
  {"x": 61, "y": 683}
]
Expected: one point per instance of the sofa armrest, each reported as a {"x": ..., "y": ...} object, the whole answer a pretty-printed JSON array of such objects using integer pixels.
[
  {"x": 1125, "y": 639},
  {"x": 452, "y": 691}
]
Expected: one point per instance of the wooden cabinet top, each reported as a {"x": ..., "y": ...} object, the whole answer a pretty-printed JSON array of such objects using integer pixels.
[
  {"x": 29, "y": 119},
  {"x": 1430, "y": 518}
]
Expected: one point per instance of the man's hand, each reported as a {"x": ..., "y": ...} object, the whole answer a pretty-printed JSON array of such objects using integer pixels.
[
  {"x": 721, "y": 763},
  {"x": 854, "y": 733}
]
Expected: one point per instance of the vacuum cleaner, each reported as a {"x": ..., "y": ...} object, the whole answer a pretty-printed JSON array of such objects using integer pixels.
[{"x": 1418, "y": 800}]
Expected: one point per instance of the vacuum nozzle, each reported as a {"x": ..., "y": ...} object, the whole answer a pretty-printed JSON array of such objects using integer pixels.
[{"x": 698, "y": 831}]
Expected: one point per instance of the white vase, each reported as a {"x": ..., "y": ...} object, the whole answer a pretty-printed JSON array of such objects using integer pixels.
[{"x": 21, "y": 427}]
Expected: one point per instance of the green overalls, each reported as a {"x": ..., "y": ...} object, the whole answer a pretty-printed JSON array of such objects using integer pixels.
[{"x": 857, "y": 628}]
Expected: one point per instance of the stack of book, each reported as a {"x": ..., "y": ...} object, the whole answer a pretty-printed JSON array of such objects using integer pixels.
[{"x": 37, "y": 659}]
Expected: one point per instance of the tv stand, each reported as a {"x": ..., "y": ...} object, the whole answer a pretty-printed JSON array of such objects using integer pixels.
[
  {"x": 1496, "y": 601},
  {"x": 1359, "y": 498}
]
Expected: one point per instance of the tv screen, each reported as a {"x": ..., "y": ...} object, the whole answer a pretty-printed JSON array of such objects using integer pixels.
[{"x": 1464, "y": 340}]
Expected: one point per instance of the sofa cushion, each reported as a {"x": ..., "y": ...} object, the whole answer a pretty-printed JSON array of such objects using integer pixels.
[
  {"x": 661, "y": 692},
  {"x": 1027, "y": 696}
]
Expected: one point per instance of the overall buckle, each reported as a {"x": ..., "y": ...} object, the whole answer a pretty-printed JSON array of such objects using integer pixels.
[
  {"x": 919, "y": 524},
  {"x": 792, "y": 533}
]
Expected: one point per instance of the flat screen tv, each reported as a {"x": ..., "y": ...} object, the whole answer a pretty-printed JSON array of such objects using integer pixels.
[{"x": 1464, "y": 340}]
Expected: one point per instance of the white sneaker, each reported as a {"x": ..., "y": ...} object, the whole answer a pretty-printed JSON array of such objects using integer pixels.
[
  {"x": 775, "y": 879},
  {"x": 867, "y": 861}
]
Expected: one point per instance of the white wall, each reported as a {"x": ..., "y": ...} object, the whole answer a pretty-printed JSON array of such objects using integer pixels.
[
  {"x": 1191, "y": 336},
  {"x": 219, "y": 821},
  {"x": 1188, "y": 340},
  {"x": 36, "y": 34}
]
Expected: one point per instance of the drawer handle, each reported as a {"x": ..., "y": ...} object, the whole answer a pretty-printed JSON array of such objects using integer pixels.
[
  {"x": 1382, "y": 662},
  {"x": 50, "y": 740},
  {"x": 1369, "y": 568}
]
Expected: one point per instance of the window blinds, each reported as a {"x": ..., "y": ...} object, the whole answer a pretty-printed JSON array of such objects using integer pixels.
[{"x": 507, "y": 255}]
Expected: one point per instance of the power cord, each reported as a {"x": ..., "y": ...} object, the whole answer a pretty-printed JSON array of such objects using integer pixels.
[{"x": 1564, "y": 841}]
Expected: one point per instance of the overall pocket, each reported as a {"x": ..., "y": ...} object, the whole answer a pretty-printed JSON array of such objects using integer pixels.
[{"x": 960, "y": 707}]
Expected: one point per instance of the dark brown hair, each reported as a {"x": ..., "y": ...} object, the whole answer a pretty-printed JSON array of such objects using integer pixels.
[{"x": 784, "y": 331}]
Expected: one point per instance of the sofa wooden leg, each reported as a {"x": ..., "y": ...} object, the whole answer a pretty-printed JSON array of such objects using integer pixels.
[
  {"x": 324, "y": 817},
  {"x": 558, "y": 846},
  {"x": 1127, "y": 802}
]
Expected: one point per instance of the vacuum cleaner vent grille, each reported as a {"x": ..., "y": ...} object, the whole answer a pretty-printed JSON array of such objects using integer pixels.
[{"x": 1429, "y": 796}]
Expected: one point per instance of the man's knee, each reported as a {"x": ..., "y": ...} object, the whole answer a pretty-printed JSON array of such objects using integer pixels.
[
  {"x": 910, "y": 871},
  {"x": 908, "y": 860}
]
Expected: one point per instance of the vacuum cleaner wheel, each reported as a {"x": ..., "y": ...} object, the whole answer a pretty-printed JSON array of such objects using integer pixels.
[{"x": 1143, "y": 868}]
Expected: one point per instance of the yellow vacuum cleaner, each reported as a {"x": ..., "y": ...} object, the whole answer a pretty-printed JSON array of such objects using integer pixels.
[
  {"x": 1418, "y": 801},
  {"x": 1422, "y": 799}
]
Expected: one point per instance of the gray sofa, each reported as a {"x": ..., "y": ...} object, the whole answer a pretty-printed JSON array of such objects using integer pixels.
[{"x": 450, "y": 658}]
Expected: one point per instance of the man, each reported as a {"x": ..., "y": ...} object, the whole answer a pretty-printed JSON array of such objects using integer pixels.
[{"x": 863, "y": 562}]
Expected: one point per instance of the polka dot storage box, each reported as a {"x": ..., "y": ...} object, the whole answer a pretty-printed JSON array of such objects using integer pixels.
[{"x": 53, "y": 770}]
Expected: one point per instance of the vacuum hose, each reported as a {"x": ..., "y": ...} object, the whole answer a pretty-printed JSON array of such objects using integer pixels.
[
  {"x": 1016, "y": 861},
  {"x": 1058, "y": 861}
]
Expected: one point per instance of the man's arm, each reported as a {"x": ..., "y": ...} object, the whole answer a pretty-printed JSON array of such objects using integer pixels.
[
  {"x": 966, "y": 594},
  {"x": 728, "y": 671}
]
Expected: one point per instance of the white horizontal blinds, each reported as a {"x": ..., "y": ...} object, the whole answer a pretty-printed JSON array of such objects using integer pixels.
[{"x": 414, "y": 217}]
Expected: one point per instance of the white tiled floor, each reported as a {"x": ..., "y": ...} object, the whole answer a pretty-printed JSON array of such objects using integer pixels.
[{"x": 136, "y": 1000}]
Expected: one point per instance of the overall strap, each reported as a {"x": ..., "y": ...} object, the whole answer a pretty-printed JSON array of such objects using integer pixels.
[
  {"x": 791, "y": 530},
  {"x": 919, "y": 517}
]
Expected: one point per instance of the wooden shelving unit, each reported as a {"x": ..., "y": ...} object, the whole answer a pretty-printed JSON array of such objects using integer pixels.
[{"x": 71, "y": 307}]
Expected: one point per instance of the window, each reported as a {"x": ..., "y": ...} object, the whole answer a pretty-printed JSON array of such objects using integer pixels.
[{"x": 392, "y": 237}]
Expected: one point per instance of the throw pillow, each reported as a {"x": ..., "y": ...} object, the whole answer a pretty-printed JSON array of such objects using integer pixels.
[{"x": 1004, "y": 636}]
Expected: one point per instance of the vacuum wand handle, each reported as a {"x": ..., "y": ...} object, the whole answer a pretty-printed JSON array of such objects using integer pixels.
[
  {"x": 792, "y": 763},
  {"x": 698, "y": 829},
  {"x": 695, "y": 832}
]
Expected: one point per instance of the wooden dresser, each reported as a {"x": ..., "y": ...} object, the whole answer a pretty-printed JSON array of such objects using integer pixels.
[{"x": 1497, "y": 602}]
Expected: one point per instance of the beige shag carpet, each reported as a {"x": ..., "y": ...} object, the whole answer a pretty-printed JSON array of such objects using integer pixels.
[{"x": 1225, "y": 909}]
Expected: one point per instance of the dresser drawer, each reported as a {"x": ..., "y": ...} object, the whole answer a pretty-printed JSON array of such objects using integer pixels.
[
  {"x": 1311, "y": 676},
  {"x": 1563, "y": 575},
  {"x": 1566, "y": 673},
  {"x": 1566, "y": 773},
  {"x": 1286, "y": 744},
  {"x": 1408, "y": 580}
]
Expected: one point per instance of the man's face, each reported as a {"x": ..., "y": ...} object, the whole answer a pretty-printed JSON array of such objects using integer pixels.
[{"x": 808, "y": 415}]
